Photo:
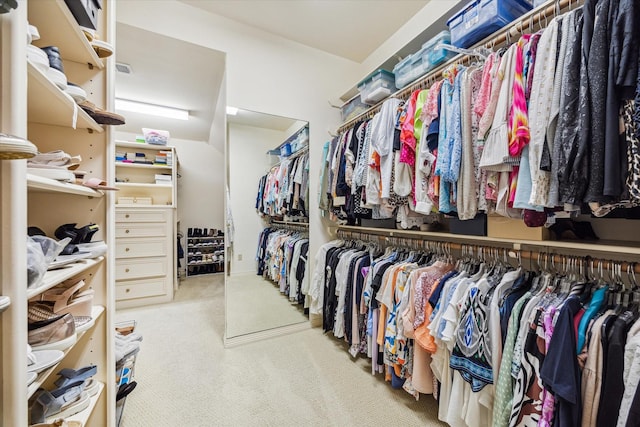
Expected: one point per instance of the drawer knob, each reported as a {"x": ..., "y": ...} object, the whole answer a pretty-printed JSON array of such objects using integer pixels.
[
  {"x": 128, "y": 290},
  {"x": 126, "y": 231},
  {"x": 126, "y": 270},
  {"x": 126, "y": 216},
  {"x": 126, "y": 249}
]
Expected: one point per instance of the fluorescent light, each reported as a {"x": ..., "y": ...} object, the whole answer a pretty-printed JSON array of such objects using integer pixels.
[
  {"x": 232, "y": 111},
  {"x": 151, "y": 109}
]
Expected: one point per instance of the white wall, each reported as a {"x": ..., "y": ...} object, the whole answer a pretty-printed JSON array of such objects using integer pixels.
[
  {"x": 201, "y": 186},
  {"x": 218, "y": 134},
  {"x": 248, "y": 162},
  {"x": 265, "y": 73},
  {"x": 425, "y": 17}
]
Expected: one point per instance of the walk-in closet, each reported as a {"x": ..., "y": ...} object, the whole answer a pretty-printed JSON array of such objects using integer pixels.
[{"x": 319, "y": 212}]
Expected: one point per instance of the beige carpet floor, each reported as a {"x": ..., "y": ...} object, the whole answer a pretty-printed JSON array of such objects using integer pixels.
[
  {"x": 255, "y": 304},
  {"x": 187, "y": 378}
]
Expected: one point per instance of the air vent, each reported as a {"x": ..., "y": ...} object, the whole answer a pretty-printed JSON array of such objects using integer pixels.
[{"x": 123, "y": 68}]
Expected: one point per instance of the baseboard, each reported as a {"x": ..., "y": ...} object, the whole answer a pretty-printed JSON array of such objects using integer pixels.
[{"x": 263, "y": 335}]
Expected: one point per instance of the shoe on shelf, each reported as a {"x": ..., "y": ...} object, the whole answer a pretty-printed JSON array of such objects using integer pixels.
[
  {"x": 76, "y": 92},
  {"x": 55, "y": 73},
  {"x": 62, "y": 402},
  {"x": 101, "y": 116},
  {"x": 14, "y": 148},
  {"x": 68, "y": 375},
  {"x": 68, "y": 298},
  {"x": 58, "y": 333},
  {"x": 38, "y": 361},
  {"x": 102, "y": 48},
  {"x": 77, "y": 235}
]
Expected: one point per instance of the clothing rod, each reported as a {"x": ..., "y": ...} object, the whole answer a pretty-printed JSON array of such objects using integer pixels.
[
  {"x": 496, "y": 40},
  {"x": 545, "y": 256},
  {"x": 299, "y": 224},
  {"x": 298, "y": 153},
  {"x": 598, "y": 263}
]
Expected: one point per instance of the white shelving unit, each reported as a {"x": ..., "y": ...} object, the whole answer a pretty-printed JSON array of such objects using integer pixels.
[
  {"x": 137, "y": 181},
  {"x": 146, "y": 225},
  {"x": 35, "y": 108}
]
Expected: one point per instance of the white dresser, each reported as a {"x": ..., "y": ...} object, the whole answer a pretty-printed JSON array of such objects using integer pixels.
[{"x": 145, "y": 256}]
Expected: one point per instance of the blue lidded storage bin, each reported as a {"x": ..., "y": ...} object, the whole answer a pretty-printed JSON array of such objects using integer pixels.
[
  {"x": 480, "y": 18},
  {"x": 285, "y": 150}
]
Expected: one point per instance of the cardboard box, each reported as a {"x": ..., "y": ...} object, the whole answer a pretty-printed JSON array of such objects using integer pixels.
[{"x": 510, "y": 228}]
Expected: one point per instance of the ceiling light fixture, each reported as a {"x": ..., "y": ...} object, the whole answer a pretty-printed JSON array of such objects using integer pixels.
[
  {"x": 151, "y": 109},
  {"x": 232, "y": 111}
]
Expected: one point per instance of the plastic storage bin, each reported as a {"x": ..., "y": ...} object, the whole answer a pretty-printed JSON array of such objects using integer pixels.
[
  {"x": 423, "y": 61},
  {"x": 480, "y": 18},
  {"x": 404, "y": 72},
  {"x": 376, "y": 87},
  {"x": 433, "y": 57},
  {"x": 285, "y": 150},
  {"x": 352, "y": 108}
]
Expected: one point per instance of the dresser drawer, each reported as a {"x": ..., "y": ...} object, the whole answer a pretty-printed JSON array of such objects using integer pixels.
[
  {"x": 141, "y": 247},
  {"x": 143, "y": 229},
  {"x": 140, "y": 268},
  {"x": 139, "y": 215},
  {"x": 141, "y": 288}
]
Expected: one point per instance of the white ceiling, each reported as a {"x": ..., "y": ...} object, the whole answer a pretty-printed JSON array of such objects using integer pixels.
[
  {"x": 168, "y": 72},
  {"x": 352, "y": 29}
]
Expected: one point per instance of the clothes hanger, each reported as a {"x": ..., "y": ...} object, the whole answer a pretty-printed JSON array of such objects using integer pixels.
[{"x": 480, "y": 52}]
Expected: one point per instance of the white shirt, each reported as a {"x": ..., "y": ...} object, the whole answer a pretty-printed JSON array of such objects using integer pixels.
[{"x": 382, "y": 141}]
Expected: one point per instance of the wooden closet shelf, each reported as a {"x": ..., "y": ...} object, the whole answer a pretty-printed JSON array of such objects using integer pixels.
[
  {"x": 46, "y": 185},
  {"x": 58, "y": 27},
  {"x": 47, "y": 104},
  {"x": 600, "y": 247},
  {"x": 96, "y": 312},
  {"x": 55, "y": 277}
]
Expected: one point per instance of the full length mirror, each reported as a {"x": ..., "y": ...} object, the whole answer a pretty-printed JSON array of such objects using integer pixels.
[{"x": 267, "y": 176}]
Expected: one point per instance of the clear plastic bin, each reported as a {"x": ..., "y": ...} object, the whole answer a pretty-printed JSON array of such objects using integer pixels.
[
  {"x": 433, "y": 57},
  {"x": 480, "y": 18},
  {"x": 376, "y": 87},
  {"x": 352, "y": 108},
  {"x": 426, "y": 59},
  {"x": 403, "y": 72}
]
